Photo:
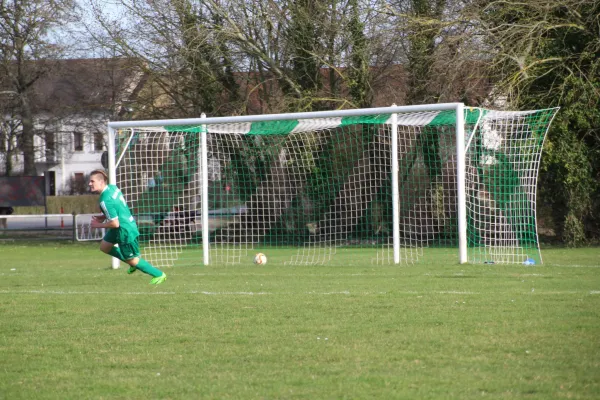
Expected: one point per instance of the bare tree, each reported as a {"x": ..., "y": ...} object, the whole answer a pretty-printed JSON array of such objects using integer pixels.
[
  {"x": 10, "y": 126},
  {"x": 239, "y": 56},
  {"x": 25, "y": 39}
]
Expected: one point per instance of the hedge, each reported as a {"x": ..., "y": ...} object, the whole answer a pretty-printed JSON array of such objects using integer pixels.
[{"x": 85, "y": 204}]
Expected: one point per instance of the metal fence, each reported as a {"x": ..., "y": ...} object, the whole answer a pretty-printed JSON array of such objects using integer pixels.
[{"x": 75, "y": 227}]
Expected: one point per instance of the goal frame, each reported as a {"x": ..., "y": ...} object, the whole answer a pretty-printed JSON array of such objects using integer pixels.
[{"x": 394, "y": 110}]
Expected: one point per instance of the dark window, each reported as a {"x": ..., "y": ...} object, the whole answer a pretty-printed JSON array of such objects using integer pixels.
[
  {"x": 51, "y": 177},
  {"x": 78, "y": 185},
  {"x": 50, "y": 146},
  {"x": 78, "y": 141},
  {"x": 98, "y": 141}
]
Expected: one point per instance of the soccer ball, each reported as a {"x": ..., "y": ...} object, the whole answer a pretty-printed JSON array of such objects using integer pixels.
[{"x": 260, "y": 259}]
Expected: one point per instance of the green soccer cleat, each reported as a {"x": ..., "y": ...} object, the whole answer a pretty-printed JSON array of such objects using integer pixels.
[
  {"x": 131, "y": 270},
  {"x": 159, "y": 279}
]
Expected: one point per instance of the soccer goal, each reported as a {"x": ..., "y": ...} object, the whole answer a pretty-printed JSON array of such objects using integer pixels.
[{"x": 395, "y": 181}]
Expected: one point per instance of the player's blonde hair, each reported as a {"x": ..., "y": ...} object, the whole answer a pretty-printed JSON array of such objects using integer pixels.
[{"x": 100, "y": 172}]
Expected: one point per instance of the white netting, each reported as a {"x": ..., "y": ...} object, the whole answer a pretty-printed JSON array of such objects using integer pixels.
[
  {"x": 502, "y": 168},
  {"x": 316, "y": 186}
]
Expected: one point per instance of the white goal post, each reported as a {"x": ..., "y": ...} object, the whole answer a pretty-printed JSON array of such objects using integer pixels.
[{"x": 396, "y": 180}]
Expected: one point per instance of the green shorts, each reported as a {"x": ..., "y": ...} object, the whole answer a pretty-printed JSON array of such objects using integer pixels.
[
  {"x": 110, "y": 236},
  {"x": 129, "y": 250}
]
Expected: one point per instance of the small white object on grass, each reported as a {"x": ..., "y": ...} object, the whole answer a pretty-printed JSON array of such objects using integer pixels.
[{"x": 260, "y": 259}]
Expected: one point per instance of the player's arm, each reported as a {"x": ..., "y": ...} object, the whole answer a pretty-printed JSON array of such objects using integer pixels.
[
  {"x": 111, "y": 223},
  {"x": 109, "y": 213}
]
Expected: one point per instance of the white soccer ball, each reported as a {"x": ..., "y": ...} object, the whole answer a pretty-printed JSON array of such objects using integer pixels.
[{"x": 260, "y": 259}]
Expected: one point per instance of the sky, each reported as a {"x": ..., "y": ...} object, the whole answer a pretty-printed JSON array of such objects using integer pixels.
[{"x": 75, "y": 35}]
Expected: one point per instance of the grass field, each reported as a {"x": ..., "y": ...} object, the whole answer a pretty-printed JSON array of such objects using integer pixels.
[{"x": 70, "y": 328}]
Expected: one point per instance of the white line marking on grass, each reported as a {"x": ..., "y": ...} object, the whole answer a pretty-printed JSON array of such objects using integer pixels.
[
  {"x": 201, "y": 292},
  {"x": 455, "y": 292},
  {"x": 71, "y": 292},
  {"x": 344, "y": 292},
  {"x": 541, "y": 292},
  {"x": 288, "y": 275},
  {"x": 61, "y": 292},
  {"x": 325, "y": 293},
  {"x": 230, "y": 293}
]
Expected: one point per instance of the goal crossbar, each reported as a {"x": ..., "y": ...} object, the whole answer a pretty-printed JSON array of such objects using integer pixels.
[{"x": 285, "y": 116}]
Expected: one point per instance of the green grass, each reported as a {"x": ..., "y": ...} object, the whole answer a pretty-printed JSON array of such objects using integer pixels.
[{"x": 70, "y": 328}]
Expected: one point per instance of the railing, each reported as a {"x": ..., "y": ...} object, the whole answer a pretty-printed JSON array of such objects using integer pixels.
[
  {"x": 40, "y": 226},
  {"x": 75, "y": 227},
  {"x": 84, "y": 231}
]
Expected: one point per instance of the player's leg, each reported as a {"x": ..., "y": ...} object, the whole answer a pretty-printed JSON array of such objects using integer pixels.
[
  {"x": 132, "y": 252},
  {"x": 139, "y": 263},
  {"x": 108, "y": 245},
  {"x": 111, "y": 249}
]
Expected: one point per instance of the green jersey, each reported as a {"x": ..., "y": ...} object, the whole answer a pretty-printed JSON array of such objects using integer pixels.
[{"x": 113, "y": 206}]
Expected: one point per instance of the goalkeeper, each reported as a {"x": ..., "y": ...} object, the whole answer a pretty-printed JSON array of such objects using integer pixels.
[{"x": 121, "y": 227}]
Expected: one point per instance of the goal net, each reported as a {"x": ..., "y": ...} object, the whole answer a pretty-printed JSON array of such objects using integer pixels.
[{"x": 387, "y": 180}]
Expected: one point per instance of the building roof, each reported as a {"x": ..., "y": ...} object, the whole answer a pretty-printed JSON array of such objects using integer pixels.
[{"x": 73, "y": 85}]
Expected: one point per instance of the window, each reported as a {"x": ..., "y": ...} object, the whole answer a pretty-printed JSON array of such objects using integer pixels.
[
  {"x": 98, "y": 141},
  {"x": 51, "y": 179},
  {"x": 78, "y": 185},
  {"x": 78, "y": 141},
  {"x": 50, "y": 146}
]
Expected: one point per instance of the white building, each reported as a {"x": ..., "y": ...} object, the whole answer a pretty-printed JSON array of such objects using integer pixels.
[{"x": 72, "y": 104}]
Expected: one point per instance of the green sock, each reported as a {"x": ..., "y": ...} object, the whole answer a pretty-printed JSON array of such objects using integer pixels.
[
  {"x": 146, "y": 267},
  {"x": 116, "y": 252}
]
